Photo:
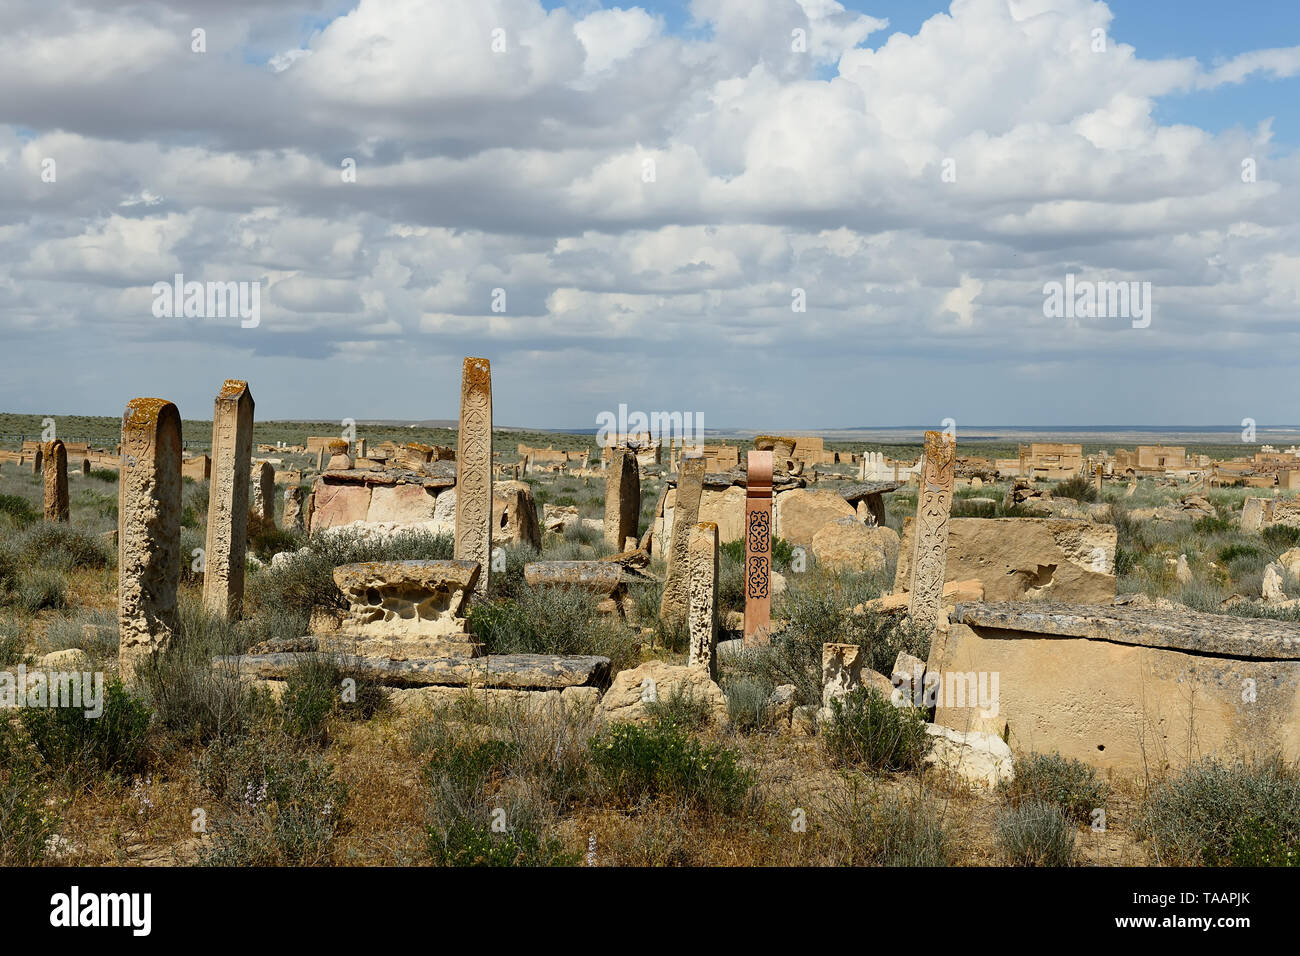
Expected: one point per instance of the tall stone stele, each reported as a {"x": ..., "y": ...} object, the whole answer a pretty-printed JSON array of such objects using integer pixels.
[
  {"x": 226, "y": 547},
  {"x": 702, "y": 555},
  {"x": 474, "y": 470},
  {"x": 264, "y": 493},
  {"x": 930, "y": 535},
  {"x": 686, "y": 513},
  {"x": 758, "y": 548},
  {"x": 622, "y": 497},
  {"x": 56, "y": 481},
  {"x": 148, "y": 530}
]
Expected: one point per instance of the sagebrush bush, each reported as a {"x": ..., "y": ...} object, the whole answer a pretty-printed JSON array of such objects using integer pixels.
[
  {"x": 879, "y": 828},
  {"x": 1035, "y": 833},
  {"x": 638, "y": 762},
  {"x": 1050, "y": 778},
  {"x": 26, "y": 821},
  {"x": 551, "y": 620},
  {"x": 39, "y": 588},
  {"x": 19, "y": 509},
  {"x": 1080, "y": 488},
  {"x": 315, "y": 691},
  {"x": 276, "y": 806},
  {"x": 866, "y": 729},
  {"x": 85, "y": 748},
  {"x": 1281, "y": 537},
  {"x": 1214, "y": 813},
  {"x": 61, "y": 547},
  {"x": 306, "y": 581}
]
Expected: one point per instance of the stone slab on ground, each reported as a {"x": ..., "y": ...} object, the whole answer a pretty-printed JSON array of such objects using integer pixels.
[{"x": 515, "y": 671}]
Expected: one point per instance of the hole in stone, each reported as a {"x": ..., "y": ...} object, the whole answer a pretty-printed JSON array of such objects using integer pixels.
[
  {"x": 372, "y": 597},
  {"x": 1101, "y": 746}
]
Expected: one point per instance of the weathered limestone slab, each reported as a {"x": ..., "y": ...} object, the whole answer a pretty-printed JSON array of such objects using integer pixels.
[
  {"x": 226, "y": 544},
  {"x": 514, "y": 514},
  {"x": 149, "y": 530},
  {"x": 199, "y": 467},
  {"x": 405, "y": 503},
  {"x": 930, "y": 541},
  {"x": 474, "y": 470},
  {"x": 85, "y": 467},
  {"x": 869, "y": 496},
  {"x": 56, "y": 481},
  {"x": 801, "y": 513},
  {"x": 519, "y": 671},
  {"x": 38, "y": 462},
  {"x": 633, "y": 692},
  {"x": 702, "y": 554},
  {"x": 686, "y": 512},
  {"x": 842, "y": 666},
  {"x": 605, "y": 579},
  {"x": 1255, "y": 512},
  {"x": 758, "y": 548},
  {"x": 293, "y": 509},
  {"x": 407, "y": 599},
  {"x": 622, "y": 497},
  {"x": 1017, "y": 559},
  {"x": 264, "y": 492},
  {"x": 1130, "y": 690}
]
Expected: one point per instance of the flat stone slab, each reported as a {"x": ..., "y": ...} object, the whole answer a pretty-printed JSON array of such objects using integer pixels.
[
  {"x": 863, "y": 489},
  {"x": 1193, "y": 631},
  {"x": 515, "y": 671},
  {"x": 429, "y": 574},
  {"x": 435, "y": 474},
  {"x": 599, "y": 577}
]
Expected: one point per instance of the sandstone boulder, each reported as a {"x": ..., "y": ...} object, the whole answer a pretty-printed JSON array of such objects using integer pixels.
[
  {"x": 981, "y": 759},
  {"x": 846, "y": 544},
  {"x": 1019, "y": 559},
  {"x": 632, "y": 690},
  {"x": 801, "y": 513}
]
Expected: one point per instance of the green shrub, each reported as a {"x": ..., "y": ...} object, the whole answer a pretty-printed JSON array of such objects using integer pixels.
[
  {"x": 1034, "y": 833},
  {"x": 1226, "y": 814},
  {"x": 1050, "y": 778},
  {"x": 1079, "y": 488},
  {"x": 680, "y": 709},
  {"x": 549, "y": 620},
  {"x": 12, "y": 642},
  {"x": 86, "y": 748},
  {"x": 1212, "y": 524},
  {"x": 1281, "y": 537},
  {"x": 39, "y": 589},
  {"x": 104, "y": 474},
  {"x": 19, "y": 509},
  {"x": 307, "y": 581},
  {"x": 276, "y": 807},
  {"x": 636, "y": 762},
  {"x": 61, "y": 547},
  {"x": 467, "y": 843},
  {"x": 867, "y": 729},
  {"x": 26, "y": 823},
  {"x": 315, "y": 691},
  {"x": 887, "y": 829},
  {"x": 1231, "y": 552}
]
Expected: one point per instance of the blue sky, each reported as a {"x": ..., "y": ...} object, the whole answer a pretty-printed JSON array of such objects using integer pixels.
[{"x": 777, "y": 174}]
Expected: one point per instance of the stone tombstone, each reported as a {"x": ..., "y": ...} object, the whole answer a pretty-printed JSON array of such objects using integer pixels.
[
  {"x": 686, "y": 512},
  {"x": 930, "y": 535},
  {"x": 149, "y": 530},
  {"x": 293, "y": 508},
  {"x": 85, "y": 467},
  {"x": 264, "y": 493},
  {"x": 702, "y": 557},
  {"x": 37, "y": 460},
  {"x": 474, "y": 470},
  {"x": 758, "y": 547},
  {"x": 56, "y": 481},
  {"x": 842, "y": 666},
  {"x": 226, "y": 544},
  {"x": 622, "y": 497}
]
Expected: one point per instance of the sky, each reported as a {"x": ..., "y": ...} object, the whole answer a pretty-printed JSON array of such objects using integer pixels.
[{"x": 774, "y": 214}]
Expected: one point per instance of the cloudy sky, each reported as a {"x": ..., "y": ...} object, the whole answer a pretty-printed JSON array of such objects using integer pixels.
[{"x": 628, "y": 205}]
